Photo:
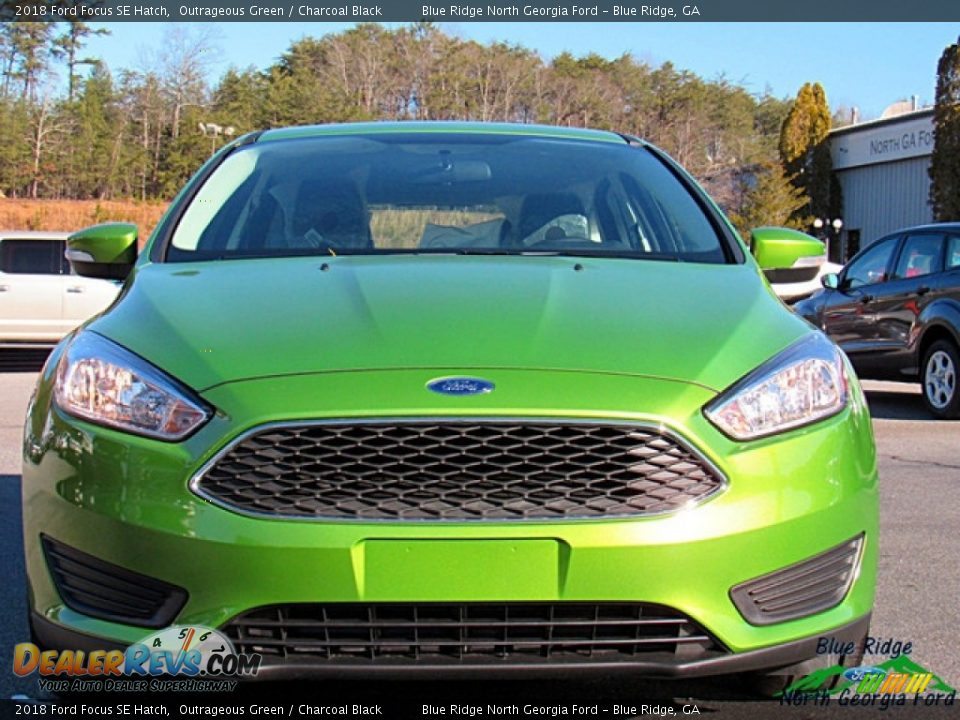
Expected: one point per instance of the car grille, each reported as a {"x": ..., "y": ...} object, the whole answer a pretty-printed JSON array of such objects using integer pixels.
[
  {"x": 471, "y": 633},
  {"x": 453, "y": 470},
  {"x": 103, "y": 590},
  {"x": 809, "y": 587}
]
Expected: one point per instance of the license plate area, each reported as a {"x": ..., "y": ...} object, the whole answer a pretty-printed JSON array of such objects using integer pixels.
[{"x": 458, "y": 570}]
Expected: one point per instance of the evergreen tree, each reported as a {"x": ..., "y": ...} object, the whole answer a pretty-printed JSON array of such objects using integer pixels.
[
  {"x": 805, "y": 153},
  {"x": 771, "y": 199},
  {"x": 70, "y": 43},
  {"x": 27, "y": 47},
  {"x": 93, "y": 141},
  {"x": 945, "y": 163}
]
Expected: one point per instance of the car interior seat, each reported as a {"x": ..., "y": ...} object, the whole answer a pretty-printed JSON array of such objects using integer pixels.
[
  {"x": 332, "y": 216},
  {"x": 538, "y": 210}
]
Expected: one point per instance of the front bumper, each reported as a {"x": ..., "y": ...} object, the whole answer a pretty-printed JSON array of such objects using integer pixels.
[
  {"x": 125, "y": 500},
  {"x": 53, "y": 635}
]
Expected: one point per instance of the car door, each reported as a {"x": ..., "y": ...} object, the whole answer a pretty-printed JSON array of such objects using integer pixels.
[
  {"x": 84, "y": 297},
  {"x": 897, "y": 303},
  {"x": 847, "y": 313},
  {"x": 948, "y": 284},
  {"x": 30, "y": 290}
]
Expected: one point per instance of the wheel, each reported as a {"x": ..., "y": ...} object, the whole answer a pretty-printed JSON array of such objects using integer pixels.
[
  {"x": 939, "y": 379},
  {"x": 771, "y": 684}
]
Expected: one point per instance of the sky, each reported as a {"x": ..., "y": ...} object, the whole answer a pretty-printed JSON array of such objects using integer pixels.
[{"x": 863, "y": 65}]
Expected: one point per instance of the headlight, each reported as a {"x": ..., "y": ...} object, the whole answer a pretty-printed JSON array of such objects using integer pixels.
[
  {"x": 99, "y": 381},
  {"x": 805, "y": 383}
]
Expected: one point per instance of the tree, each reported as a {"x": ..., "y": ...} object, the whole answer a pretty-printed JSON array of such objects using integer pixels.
[
  {"x": 43, "y": 124},
  {"x": 805, "y": 152},
  {"x": 14, "y": 147},
  {"x": 27, "y": 49},
  {"x": 770, "y": 198},
  {"x": 94, "y": 140},
  {"x": 184, "y": 62},
  {"x": 134, "y": 133},
  {"x": 240, "y": 100},
  {"x": 70, "y": 43},
  {"x": 945, "y": 163}
]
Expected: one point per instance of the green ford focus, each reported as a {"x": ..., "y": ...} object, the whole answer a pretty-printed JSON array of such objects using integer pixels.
[{"x": 451, "y": 398}]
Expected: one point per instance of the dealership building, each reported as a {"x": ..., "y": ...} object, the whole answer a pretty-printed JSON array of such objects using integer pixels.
[{"x": 882, "y": 166}]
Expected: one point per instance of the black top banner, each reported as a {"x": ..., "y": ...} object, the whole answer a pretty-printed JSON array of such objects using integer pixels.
[{"x": 483, "y": 11}]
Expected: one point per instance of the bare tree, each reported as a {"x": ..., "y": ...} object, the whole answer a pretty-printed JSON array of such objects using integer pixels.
[
  {"x": 42, "y": 126},
  {"x": 189, "y": 52}
]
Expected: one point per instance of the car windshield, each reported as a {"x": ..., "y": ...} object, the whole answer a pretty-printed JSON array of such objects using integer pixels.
[{"x": 444, "y": 193}]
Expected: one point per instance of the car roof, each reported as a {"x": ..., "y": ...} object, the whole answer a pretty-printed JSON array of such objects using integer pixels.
[
  {"x": 33, "y": 235},
  {"x": 955, "y": 226},
  {"x": 433, "y": 127}
]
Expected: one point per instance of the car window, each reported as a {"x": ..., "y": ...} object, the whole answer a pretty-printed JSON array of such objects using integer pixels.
[
  {"x": 31, "y": 257},
  {"x": 444, "y": 192},
  {"x": 920, "y": 256},
  {"x": 871, "y": 267},
  {"x": 953, "y": 251}
]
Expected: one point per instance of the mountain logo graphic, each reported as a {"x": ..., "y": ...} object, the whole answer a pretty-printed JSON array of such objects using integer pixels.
[{"x": 896, "y": 675}]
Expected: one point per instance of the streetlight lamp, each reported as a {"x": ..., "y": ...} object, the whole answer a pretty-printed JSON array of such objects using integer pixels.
[
  {"x": 213, "y": 131},
  {"x": 832, "y": 228}
]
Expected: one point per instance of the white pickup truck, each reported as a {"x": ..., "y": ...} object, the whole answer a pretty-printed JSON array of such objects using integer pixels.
[{"x": 41, "y": 300}]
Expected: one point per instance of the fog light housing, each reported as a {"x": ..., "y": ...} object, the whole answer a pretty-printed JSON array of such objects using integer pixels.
[{"x": 806, "y": 588}]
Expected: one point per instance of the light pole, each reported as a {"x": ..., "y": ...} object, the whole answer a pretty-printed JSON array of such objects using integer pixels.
[
  {"x": 213, "y": 131},
  {"x": 832, "y": 228}
]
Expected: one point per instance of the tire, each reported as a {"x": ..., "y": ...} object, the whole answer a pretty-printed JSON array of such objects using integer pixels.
[
  {"x": 938, "y": 380},
  {"x": 769, "y": 685}
]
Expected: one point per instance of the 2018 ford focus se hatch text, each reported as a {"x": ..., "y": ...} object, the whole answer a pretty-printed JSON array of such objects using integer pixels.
[{"x": 459, "y": 398}]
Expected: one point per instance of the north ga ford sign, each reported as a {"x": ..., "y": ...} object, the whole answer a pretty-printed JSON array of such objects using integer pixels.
[{"x": 898, "y": 139}]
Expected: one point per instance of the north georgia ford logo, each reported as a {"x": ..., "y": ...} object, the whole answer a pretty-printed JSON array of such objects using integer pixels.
[{"x": 179, "y": 650}]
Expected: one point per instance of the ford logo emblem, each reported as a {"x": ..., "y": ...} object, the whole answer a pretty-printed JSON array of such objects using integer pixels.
[
  {"x": 460, "y": 386},
  {"x": 858, "y": 673}
]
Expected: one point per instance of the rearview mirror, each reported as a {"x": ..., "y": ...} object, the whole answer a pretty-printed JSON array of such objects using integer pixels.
[
  {"x": 452, "y": 171},
  {"x": 106, "y": 251},
  {"x": 831, "y": 281},
  {"x": 777, "y": 248}
]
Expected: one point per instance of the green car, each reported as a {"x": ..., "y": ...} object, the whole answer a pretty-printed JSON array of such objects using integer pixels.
[{"x": 451, "y": 398}]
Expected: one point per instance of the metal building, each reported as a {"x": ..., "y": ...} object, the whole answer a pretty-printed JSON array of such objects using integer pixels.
[{"x": 882, "y": 166}]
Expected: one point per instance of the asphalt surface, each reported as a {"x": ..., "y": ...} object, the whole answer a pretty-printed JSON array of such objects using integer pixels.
[{"x": 918, "y": 591}]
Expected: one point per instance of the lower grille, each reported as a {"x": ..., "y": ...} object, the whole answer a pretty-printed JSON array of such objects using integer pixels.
[
  {"x": 809, "y": 587},
  {"x": 102, "y": 590},
  {"x": 457, "y": 470},
  {"x": 478, "y": 633}
]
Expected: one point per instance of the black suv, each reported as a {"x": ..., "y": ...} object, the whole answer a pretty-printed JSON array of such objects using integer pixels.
[{"x": 895, "y": 310}]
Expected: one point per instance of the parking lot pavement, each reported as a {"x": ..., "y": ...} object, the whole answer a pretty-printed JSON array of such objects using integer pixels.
[{"x": 919, "y": 574}]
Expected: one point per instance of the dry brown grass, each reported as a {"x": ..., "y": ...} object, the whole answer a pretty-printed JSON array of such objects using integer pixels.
[
  {"x": 72, "y": 215},
  {"x": 397, "y": 229}
]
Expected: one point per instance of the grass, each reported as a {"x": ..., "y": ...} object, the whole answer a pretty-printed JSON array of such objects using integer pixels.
[
  {"x": 402, "y": 228},
  {"x": 73, "y": 215}
]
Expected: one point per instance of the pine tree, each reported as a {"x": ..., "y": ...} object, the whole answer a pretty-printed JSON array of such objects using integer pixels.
[
  {"x": 71, "y": 42},
  {"x": 805, "y": 153},
  {"x": 945, "y": 163},
  {"x": 772, "y": 199}
]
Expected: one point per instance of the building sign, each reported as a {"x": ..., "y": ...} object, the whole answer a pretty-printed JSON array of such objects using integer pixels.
[{"x": 906, "y": 137}]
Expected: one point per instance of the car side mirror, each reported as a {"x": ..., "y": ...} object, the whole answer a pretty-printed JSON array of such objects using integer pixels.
[
  {"x": 777, "y": 248},
  {"x": 106, "y": 251},
  {"x": 831, "y": 281}
]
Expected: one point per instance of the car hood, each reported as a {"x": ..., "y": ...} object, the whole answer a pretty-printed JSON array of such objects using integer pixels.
[{"x": 215, "y": 322}]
